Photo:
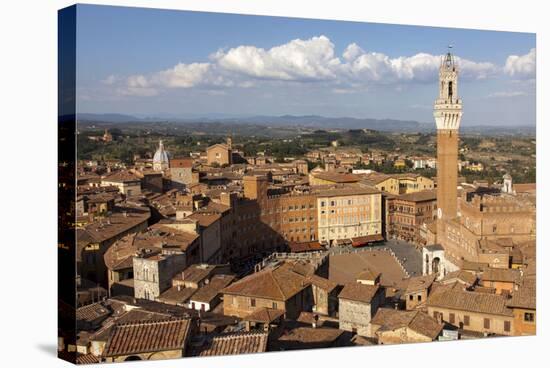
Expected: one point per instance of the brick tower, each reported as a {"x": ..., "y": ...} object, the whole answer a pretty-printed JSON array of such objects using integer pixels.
[{"x": 447, "y": 114}]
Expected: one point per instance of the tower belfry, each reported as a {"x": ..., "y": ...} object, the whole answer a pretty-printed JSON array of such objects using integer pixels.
[{"x": 447, "y": 114}]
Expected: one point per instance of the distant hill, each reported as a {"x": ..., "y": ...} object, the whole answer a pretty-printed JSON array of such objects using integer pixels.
[
  {"x": 309, "y": 122},
  {"x": 107, "y": 118}
]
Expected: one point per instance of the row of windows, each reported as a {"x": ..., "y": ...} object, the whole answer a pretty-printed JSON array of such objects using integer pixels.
[
  {"x": 466, "y": 321},
  {"x": 348, "y": 202}
]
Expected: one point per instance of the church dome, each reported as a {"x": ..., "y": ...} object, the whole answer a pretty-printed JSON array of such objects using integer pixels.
[{"x": 161, "y": 156}]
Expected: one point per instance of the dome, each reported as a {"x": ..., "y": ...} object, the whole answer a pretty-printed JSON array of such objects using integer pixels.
[{"x": 161, "y": 156}]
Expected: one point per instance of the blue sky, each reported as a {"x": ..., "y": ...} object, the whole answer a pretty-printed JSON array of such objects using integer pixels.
[{"x": 176, "y": 63}]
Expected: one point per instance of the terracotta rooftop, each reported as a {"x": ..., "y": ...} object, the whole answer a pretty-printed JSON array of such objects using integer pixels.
[
  {"x": 121, "y": 220},
  {"x": 470, "y": 301},
  {"x": 525, "y": 296},
  {"x": 419, "y": 283},
  {"x": 420, "y": 322},
  {"x": 181, "y": 163},
  {"x": 501, "y": 274},
  {"x": 359, "y": 292},
  {"x": 337, "y": 178},
  {"x": 160, "y": 235},
  {"x": 211, "y": 290},
  {"x": 150, "y": 336},
  {"x": 235, "y": 343},
  {"x": 92, "y": 312},
  {"x": 278, "y": 282},
  {"x": 120, "y": 177},
  {"x": 177, "y": 295},
  {"x": 464, "y": 277},
  {"x": 347, "y": 191},
  {"x": 300, "y": 336},
  {"x": 264, "y": 315},
  {"x": 422, "y": 196},
  {"x": 204, "y": 219},
  {"x": 195, "y": 273},
  {"x": 322, "y": 283}
]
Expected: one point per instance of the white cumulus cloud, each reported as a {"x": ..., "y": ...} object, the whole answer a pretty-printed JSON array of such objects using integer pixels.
[
  {"x": 521, "y": 66},
  {"x": 297, "y": 60},
  {"x": 310, "y": 60}
]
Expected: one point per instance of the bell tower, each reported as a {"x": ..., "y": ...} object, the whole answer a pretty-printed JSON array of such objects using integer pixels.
[{"x": 447, "y": 114}]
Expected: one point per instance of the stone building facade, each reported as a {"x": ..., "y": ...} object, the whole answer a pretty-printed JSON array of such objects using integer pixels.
[
  {"x": 153, "y": 273},
  {"x": 348, "y": 213},
  {"x": 408, "y": 212},
  {"x": 357, "y": 305},
  {"x": 220, "y": 154},
  {"x": 181, "y": 173}
]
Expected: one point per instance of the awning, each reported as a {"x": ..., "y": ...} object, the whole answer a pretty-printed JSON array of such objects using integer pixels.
[{"x": 364, "y": 240}]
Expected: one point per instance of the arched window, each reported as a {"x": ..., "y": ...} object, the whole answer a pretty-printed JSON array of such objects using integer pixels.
[{"x": 450, "y": 90}]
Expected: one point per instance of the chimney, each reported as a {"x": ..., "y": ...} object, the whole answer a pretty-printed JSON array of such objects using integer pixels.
[{"x": 179, "y": 287}]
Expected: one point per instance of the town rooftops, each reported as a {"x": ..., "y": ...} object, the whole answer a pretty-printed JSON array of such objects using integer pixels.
[
  {"x": 177, "y": 163},
  {"x": 208, "y": 292},
  {"x": 121, "y": 220},
  {"x": 149, "y": 336},
  {"x": 421, "y": 196},
  {"x": 278, "y": 282},
  {"x": 177, "y": 295},
  {"x": 322, "y": 283},
  {"x": 299, "y": 337},
  {"x": 525, "y": 296},
  {"x": 195, "y": 273},
  {"x": 265, "y": 315},
  {"x": 470, "y": 301},
  {"x": 420, "y": 322},
  {"x": 347, "y": 191},
  {"x": 461, "y": 276},
  {"x": 92, "y": 312},
  {"x": 205, "y": 219},
  {"x": 160, "y": 235},
  {"x": 420, "y": 283},
  {"x": 234, "y": 343},
  {"x": 501, "y": 274},
  {"x": 122, "y": 176},
  {"x": 359, "y": 292},
  {"x": 336, "y": 177}
]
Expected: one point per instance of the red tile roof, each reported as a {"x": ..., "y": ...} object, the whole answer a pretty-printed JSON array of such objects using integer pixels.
[
  {"x": 235, "y": 343},
  {"x": 150, "y": 336}
]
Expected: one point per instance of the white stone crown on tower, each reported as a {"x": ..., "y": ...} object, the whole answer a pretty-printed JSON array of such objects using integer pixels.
[{"x": 448, "y": 105}]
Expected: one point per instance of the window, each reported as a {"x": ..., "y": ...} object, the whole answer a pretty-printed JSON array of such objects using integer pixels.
[
  {"x": 486, "y": 323},
  {"x": 411, "y": 297},
  {"x": 451, "y": 318},
  {"x": 466, "y": 320},
  {"x": 274, "y": 305},
  {"x": 529, "y": 317},
  {"x": 252, "y": 302},
  {"x": 322, "y": 203},
  {"x": 507, "y": 326},
  {"x": 419, "y": 298}
]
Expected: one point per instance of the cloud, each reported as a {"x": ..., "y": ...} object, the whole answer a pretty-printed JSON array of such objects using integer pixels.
[
  {"x": 110, "y": 80},
  {"x": 521, "y": 66},
  {"x": 312, "y": 60},
  {"x": 352, "y": 52},
  {"x": 297, "y": 60},
  {"x": 507, "y": 94}
]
